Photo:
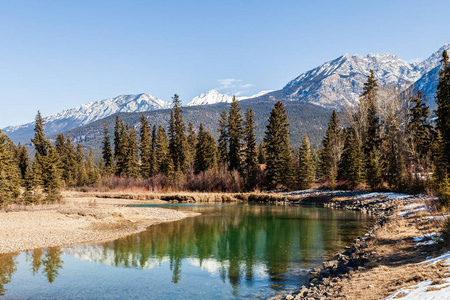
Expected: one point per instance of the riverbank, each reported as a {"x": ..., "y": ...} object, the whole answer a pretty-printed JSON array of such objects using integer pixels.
[
  {"x": 388, "y": 260},
  {"x": 77, "y": 221}
]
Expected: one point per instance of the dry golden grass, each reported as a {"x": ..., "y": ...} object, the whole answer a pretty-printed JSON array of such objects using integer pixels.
[{"x": 394, "y": 262}]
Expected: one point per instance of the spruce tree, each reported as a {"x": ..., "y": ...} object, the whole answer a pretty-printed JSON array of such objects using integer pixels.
[
  {"x": 145, "y": 147},
  {"x": 251, "y": 151},
  {"x": 82, "y": 177},
  {"x": 192, "y": 143},
  {"x": 153, "y": 163},
  {"x": 163, "y": 158},
  {"x": 132, "y": 161},
  {"x": 51, "y": 175},
  {"x": 371, "y": 132},
  {"x": 205, "y": 155},
  {"x": 107, "y": 151},
  {"x": 262, "y": 153},
  {"x": 331, "y": 151},
  {"x": 223, "y": 139},
  {"x": 177, "y": 137},
  {"x": 9, "y": 172},
  {"x": 305, "y": 173},
  {"x": 235, "y": 135},
  {"x": 22, "y": 160},
  {"x": 117, "y": 138},
  {"x": 440, "y": 163},
  {"x": 40, "y": 142},
  {"x": 352, "y": 163},
  {"x": 443, "y": 109},
  {"x": 70, "y": 163},
  {"x": 123, "y": 149},
  {"x": 278, "y": 149},
  {"x": 92, "y": 172}
]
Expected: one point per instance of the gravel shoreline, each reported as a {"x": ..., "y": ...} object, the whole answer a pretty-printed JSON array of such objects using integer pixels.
[{"x": 77, "y": 223}]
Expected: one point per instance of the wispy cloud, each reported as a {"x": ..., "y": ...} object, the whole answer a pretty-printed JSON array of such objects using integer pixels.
[{"x": 233, "y": 86}]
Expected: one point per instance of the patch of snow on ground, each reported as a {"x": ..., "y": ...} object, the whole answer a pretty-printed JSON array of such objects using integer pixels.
[
  {"x": 420, "y": 291},
  {"x": 427, "y": 239},
  {"x": 410, "y": 212}
]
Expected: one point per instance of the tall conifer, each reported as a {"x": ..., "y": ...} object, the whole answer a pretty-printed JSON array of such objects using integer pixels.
[
  {"x": 278, "y": 149},
  {"x": 107, "y": 151},
  {"x": 235, "y": 135},
  {"x": 251, "y": 151},
  {"x": 443, "y": 109},
  {"x": 305, "y": 165},
  {"x": 145, "y": 147}
]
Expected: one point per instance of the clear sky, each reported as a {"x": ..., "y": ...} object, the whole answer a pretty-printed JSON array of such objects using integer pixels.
[{"x": 56, "y": 55}]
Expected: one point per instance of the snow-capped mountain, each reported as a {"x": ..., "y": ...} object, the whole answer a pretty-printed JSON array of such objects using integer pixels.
[
  {"x": 87, "y": 113},
  {"x": 213, "y": 97},
  {"x": 340, "y": 82}
]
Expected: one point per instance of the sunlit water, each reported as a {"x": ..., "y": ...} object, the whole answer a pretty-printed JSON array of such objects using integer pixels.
[{"x": 231, "y": 251}]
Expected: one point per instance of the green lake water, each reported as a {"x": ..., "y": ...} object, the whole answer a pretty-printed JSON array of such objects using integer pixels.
[{"x": 229, "y": 252}]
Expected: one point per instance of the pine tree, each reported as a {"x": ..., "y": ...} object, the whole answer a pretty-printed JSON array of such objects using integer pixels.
[
  {"x": 251, "y": 151},
  {"x": 163, "y": 158},
  {"x": 278, "y": 149},
  {"x": 107, "y": 151},
  {"x": 235, "y": 135},
  {"x": 305, "y": 164},
  {"x": 40, "y": 142},
  {"x": 177, "y": 137},
  {"x": 9, "y": 172},
  {"x": 443, "y": 109},
  {"x": 331, "y": 151},
  {"x": 205, "y": 155},
  {"x": 223, "y": 139}
]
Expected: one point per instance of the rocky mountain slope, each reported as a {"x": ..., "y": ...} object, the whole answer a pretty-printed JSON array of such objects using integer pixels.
[{"x": 339, "y": 82}]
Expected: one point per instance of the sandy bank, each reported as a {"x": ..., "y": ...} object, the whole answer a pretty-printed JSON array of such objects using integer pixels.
[{"x": 77, "y": 221}]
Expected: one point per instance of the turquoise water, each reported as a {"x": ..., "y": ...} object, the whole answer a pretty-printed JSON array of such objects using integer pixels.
[{"x": 231, "y": 251}]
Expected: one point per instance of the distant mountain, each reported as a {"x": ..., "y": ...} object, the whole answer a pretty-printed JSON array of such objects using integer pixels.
[
  {"x": 303, "y": 117},
  {"x": 87, "y": 113},
  {"x": 214, "y": 97},
  {"x": 339, "y": 82}
]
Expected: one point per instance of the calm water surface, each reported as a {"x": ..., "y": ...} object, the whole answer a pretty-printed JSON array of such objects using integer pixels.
[{"x": 231, "y": 251}]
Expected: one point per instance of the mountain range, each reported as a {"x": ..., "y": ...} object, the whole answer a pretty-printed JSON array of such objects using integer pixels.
[{"x": 333, "y": 85}]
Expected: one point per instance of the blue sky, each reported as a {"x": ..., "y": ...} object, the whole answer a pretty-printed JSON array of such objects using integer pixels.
[{"x": 56, "y": 55}]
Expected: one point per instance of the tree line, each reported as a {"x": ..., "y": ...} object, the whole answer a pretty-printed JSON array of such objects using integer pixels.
[{"x": 386, "y": 142}]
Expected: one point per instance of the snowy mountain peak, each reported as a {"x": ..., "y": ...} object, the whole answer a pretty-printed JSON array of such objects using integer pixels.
[
  {"x": 213, "y": 97},
  {"x": 89, "y": 112},
  {"x": 210, "y": 97}
]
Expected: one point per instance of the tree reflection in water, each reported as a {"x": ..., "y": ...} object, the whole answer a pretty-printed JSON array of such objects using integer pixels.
[
  {"x": 239, "y": 239},
  {"x": 49, "y": 259}
]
